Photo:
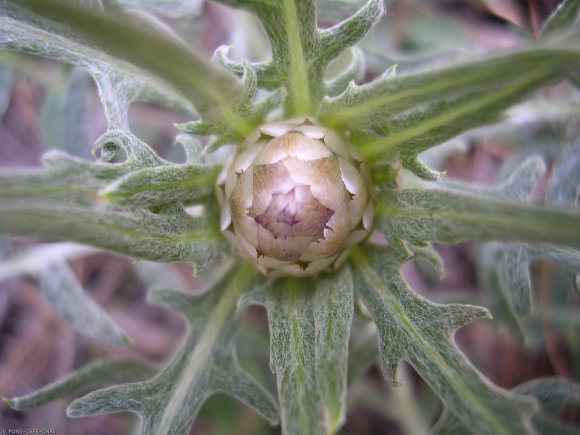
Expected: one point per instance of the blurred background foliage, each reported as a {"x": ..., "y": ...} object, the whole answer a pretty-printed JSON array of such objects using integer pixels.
[{"x": 47, "y": 105}]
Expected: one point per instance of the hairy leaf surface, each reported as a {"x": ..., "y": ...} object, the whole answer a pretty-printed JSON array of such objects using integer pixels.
[
  {"x": 419, "y": 331},
  {"x": 309, "y": 327},
  {"x": 405, "y": 115},
  {"x": 204, "y": 364}
]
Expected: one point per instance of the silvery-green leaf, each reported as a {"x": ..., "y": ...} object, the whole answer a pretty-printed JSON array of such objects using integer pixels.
[
  {"x": 76, "y": 140},
  {"x": 65, "y": 180},
  {"x": 564, "y": 182},
  {"x": 552, "y": 391},
  {"x": 94, "y": 375},
  {"x": 300, "y": 51},
  {"x": 407, "y": 114},
  {"x": 6, "y": 80},
  {"x": 159, "y": 275},
  {"x": 27, "y": 20},
  {"x": 169, "y": 236},
  {"x": 32, "y": 261},
  {"x": 24, "y": 32},
  {"x": 52, "y": 119},
  {"x": 336, "y": 39},
  {"x": 490, "y": 276},
  {"x": 563, "y": 188},
  {"x": 445, "y": 216},
  {"x": 162, "y": 185},
  {"x": 69, "y": 300},
  {"x": 172, "y": 9},
  {"x": 204, "y": 364},
  {"x": 309, "y": 328},
  {"x": 62, "y": 116},
  {"x": 60, "y": 203},
  {"x": 562, "y": 19},
  {"x": 363, "y": 344},
  {"x": 352, "y": 72},
  {"x": 401, "y": 405},
  {"x": 418, "y": 331},
  {"x": 552, "y": 394},
  {"x": 515, "y": 278},
  {"x": 511, "y": 270},
  {"x": 192, "y": 148}
]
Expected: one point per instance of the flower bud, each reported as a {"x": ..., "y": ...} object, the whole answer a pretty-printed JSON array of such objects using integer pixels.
[{"x": 295, "y": 198}]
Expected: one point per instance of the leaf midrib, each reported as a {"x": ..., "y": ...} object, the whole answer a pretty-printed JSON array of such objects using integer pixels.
[{"x": 372, "y": 279}]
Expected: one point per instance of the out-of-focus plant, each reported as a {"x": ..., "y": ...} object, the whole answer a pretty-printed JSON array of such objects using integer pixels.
[{"x": 324, "y": 192}]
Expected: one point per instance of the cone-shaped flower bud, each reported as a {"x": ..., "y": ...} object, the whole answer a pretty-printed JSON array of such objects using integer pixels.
[{"x": 295, "y": 198}]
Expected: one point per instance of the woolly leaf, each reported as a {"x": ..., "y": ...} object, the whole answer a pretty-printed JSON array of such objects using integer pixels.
[
  {"x": 309, "y": 327},
  {"x": 25, "y": 32},
  {"x": 407, "y": 114},
  {"x": 59, "y": 203},
  {"x": 351, "y": 73},
  {"x": 562, "y": 19},
  {"x": 213, "y": 96},
  {"x": 162, "y": 185},
  {"x": 32, "y": 261},
  {"x": 552, "y": 393},
  {"x": 445, "y": 216},
  {"x": 300, "y": 51},
  {"x": 203, "y": 364},
  {"x": 95, "y": 375},
  {"x": 418, "y": 331},
  {"x": 76, "y": 140},
  {"x": 69, "y": 300},
  {"x": 491, "y": 278},
  {"x": 6, "y": 79},
  {"x": 563, "y": 188},
  {"x": 62, "y": 290}
]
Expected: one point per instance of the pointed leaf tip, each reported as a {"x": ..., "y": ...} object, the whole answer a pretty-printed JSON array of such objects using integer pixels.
[{"x": 458, "y": 315}]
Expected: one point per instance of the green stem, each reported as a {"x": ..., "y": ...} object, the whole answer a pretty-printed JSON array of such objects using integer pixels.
[{"x": 299, "y": 82}]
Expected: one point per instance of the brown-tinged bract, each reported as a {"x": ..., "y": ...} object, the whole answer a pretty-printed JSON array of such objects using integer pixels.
[{"x": 295, "y": 198}]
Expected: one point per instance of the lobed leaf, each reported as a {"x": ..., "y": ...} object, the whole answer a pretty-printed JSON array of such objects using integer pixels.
[
  {"x": 352, "y": 72},
  {"x": 548, "y": 391},
  {"x": 162, "y": 185},
  {"x": 437, "y": 215},
  {"x": 213, "y": 97},
  {"x": 61, "y": 289},
  {"x": 25, "y": 32},
  {"x": 204, "y": 364},
  {"x": 419, "y": 331},
  {"x": 60, "y": 203},
  {"x": 94, "y": 375},
  {"x": 563, "y": 188},
  {"x": 404, "y": 115},
  {"x": 309, "y": 330},
  {"x": 300, "y": 51},
  {"x": 169, "y": 236}
]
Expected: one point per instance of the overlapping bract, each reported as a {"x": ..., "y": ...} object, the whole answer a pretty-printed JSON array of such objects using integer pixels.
[{"x": 295, "y": 198}]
